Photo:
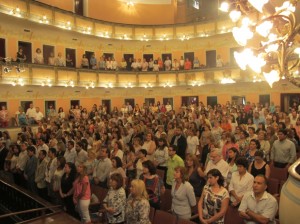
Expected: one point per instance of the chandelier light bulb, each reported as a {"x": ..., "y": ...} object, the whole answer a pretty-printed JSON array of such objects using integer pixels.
[
  {"x": 235, "y": 15},
  {"x": 272, "y": 77},
  {"x": 258, "y": 4},
  {"x": 224, "y": 7},
  {"x": 264, "y": 28}
]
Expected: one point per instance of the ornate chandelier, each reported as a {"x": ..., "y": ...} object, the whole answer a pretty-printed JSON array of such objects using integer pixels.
[{"x": 269, "y": 32}]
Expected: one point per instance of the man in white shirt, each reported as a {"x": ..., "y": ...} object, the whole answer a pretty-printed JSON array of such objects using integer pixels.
[
  {"x": 168, "y": 106},
  {"x": 38, "y": 115},
  {"x": 30, "y": 114},
  {"x": 41, "y": 145},
  {"x": 168, "y": 64},
  {"x": 103, "y": 168},
  {"x": 81, "y": 155},
  {"x": 70, "y": 153},
  {"x": 216, "y": 162}
]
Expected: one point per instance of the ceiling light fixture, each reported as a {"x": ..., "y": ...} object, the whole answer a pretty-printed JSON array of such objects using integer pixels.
[
  {"x": 47, "y": 82},
  {"x": 167, "y": 84},
  {"x": 269, "y": 35}
]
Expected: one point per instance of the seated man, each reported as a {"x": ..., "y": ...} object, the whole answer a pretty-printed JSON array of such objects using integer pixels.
[
  {"x": 258, "y": 206},
  {"x": 38, "y": 116}
]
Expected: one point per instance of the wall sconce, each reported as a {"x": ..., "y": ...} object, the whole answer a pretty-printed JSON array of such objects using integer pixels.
[
  {"x": 7, "y": 70},
  {"x": 90, "y": 85},
  {"x": 15, "y": 12},
  {"x": 70, "y": 83},
  {"x": 148, "y": 85},
  {"x": 18, "y": 81},
  {"x": 164, "y": 37},
  {"x": 87, "y": 30},
  {"x": 227, "y": 78},
  {"x": 197, "y": 83},
  {"x": 144, "y": 38},
  {"x": 128, "y": 85},
  {"x": 184, "y": 37},
  {"x": 124, "y": 37},
  {"x": 108, "y": 85},
  {"x": 20, "y": 69},
  {"x": 44, "y": 20},
  {"x": 167, "y": 84},
  {"x": 67, "y": 26},
  {"x": 46, "y": 83}
]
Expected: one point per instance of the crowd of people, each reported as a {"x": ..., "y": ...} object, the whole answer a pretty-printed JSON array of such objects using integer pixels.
[
  {"x": 110, "y": 64},
  {"x": 215, "y": 156}
]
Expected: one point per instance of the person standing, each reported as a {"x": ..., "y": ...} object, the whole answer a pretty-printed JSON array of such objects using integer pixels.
[
  {"x": 30, "y": 168},
  {"x": 3, "y": 154},
  {"x": 103, "y": 168},
  {"x": 82, "y": 194},
  {"x": 180, "y": 141},
  {"x": 283, "y": 152},
  {"x": 40, "y": 174},
  {"x": 173, "y": 162},
  {"x": 258, "y": 206}
]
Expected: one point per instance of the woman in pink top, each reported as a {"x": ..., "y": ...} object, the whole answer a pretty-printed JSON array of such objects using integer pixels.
[
  {"x": 82, "y": 194},
  {"x": 230, "y": 143}
]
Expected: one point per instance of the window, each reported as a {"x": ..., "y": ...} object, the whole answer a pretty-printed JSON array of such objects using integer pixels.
[
  {"x": 78, "y": 7},
  {"x": 166, "y": 100},
  {"x": 211, "y": 58},
  {"x": 49, "y": 103},
  {"x": 264, "y": 99},
  {"x": 212, "y": 100},
  {"x": 148, "y": 57},
  {"x": 75, "y": 102},
  {"x": 107, "y": 104},
  {"x": 130, "y": 101},
  {"x": 164, "y": 57},
  {"x": 108, "y": 55},
  {"x": 25, "y": 105},
  {"x": 26, "y": 46},
  {"x": 47, "y": 51},
  {"x": 189, "y": 100},
  {"x": 149, "y": 101},
  {"x": 71, "y": 54},
  {"x": 2, "y": 48},
  {"x": 127, "y": 56},
  {"x": 88, "y": 55},
  {"x": 238, "y": 100}
]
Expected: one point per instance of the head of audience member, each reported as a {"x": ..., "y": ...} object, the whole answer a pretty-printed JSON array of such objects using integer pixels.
[
  {"x": 260, "y": 184},
  {"x": 103, "y": 153},
  {"x": 149, "y": 168},
  {"x": 70, "y": 145},
  {"x": 116, "y": 181},
  {"x": 138, "y": 189},
  {"x": 233, "y": 154},
  {"x": 191, "y": 162},
  {"x": 215, "y": 178},
  {"x": 79, "y": 147},
  {"x": 81, "y": 170},
  {"x": 52, "y": 153},
  {"x": 61, "y": 162},
  {"x": 215, "y": 155},
  {"x": 254, "y": 144},
  {"x": 178, "y": 131},
  {"x": 116, "y": 162},
  {"x": 282, "y": 134},
  {"x": 42, "y": 155},
  {"x": 172, "y": 150},
  {"x": 180, "y": 174},
  {"x": 242, "y": 165},
  {"x": 251, "y": 130},
  {"x": 259, "y": 156},
  {"x": 70, "y": 169},
  {"x": 31, "y": 151}
]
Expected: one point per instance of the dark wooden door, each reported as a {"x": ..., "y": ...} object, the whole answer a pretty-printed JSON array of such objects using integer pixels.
[
  {"x": 78, "y": 7},
  {"x": 148, "y": 57},
  {"x": 26, "y": 50},
  {"x": 211, "y": 58},
  {"x": 47, "y": 50},
  {"x": 2, "y": 48},
  {"x": 89, "y": 54}
]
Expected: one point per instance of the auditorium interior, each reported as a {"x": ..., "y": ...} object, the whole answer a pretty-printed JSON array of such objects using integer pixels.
[{"x": 213, "y": 70}]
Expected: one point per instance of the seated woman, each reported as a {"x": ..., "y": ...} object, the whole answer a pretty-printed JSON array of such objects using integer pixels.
[
  {"x": 241, "y": 182},
  {"x": 154, "y": 184},
  {"x": 183, "y": 197},
  {"x": 233, "y": 154},
  {"x": 214, "y": 200},
  {"x": 137, "y": 206},
  {"x": 195, "y": 174},
  {"x": 115, "y": 201},
  {"x": 259, "y": 165}
]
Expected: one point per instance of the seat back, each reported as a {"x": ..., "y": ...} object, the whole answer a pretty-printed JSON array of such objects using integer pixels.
[
  {"x": 164, "y": 217},
  {"x": 273, "y": 186},
  {"x": 100, "y": 192},
  {"x": 232, "y": 216},
  {"x": 166, "y": 200},
  {"x": 184, "y": 221},
  {"x": 278, "y": 173}
]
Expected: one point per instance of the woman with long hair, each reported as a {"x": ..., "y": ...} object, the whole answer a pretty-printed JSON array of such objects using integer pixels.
[
  {"x": 233, "y": 154},
  {"x": 161, "y": 155},
  {"x": 82, "y": 194},
  {"x": 183, "y": 196},
  {"x": 253, "y": 147},
  {"x": 230, "y": 142},
  {"x": 153, "y": 183},
  {"x": 195, "y": 174},
  {"x": 66, "y": 188},
  {"x": 259, "y": 165},
  {"x": 214, "y": 200},
  {"x": 137, "y": 206},
  {"x": 115, "y": 200}
]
